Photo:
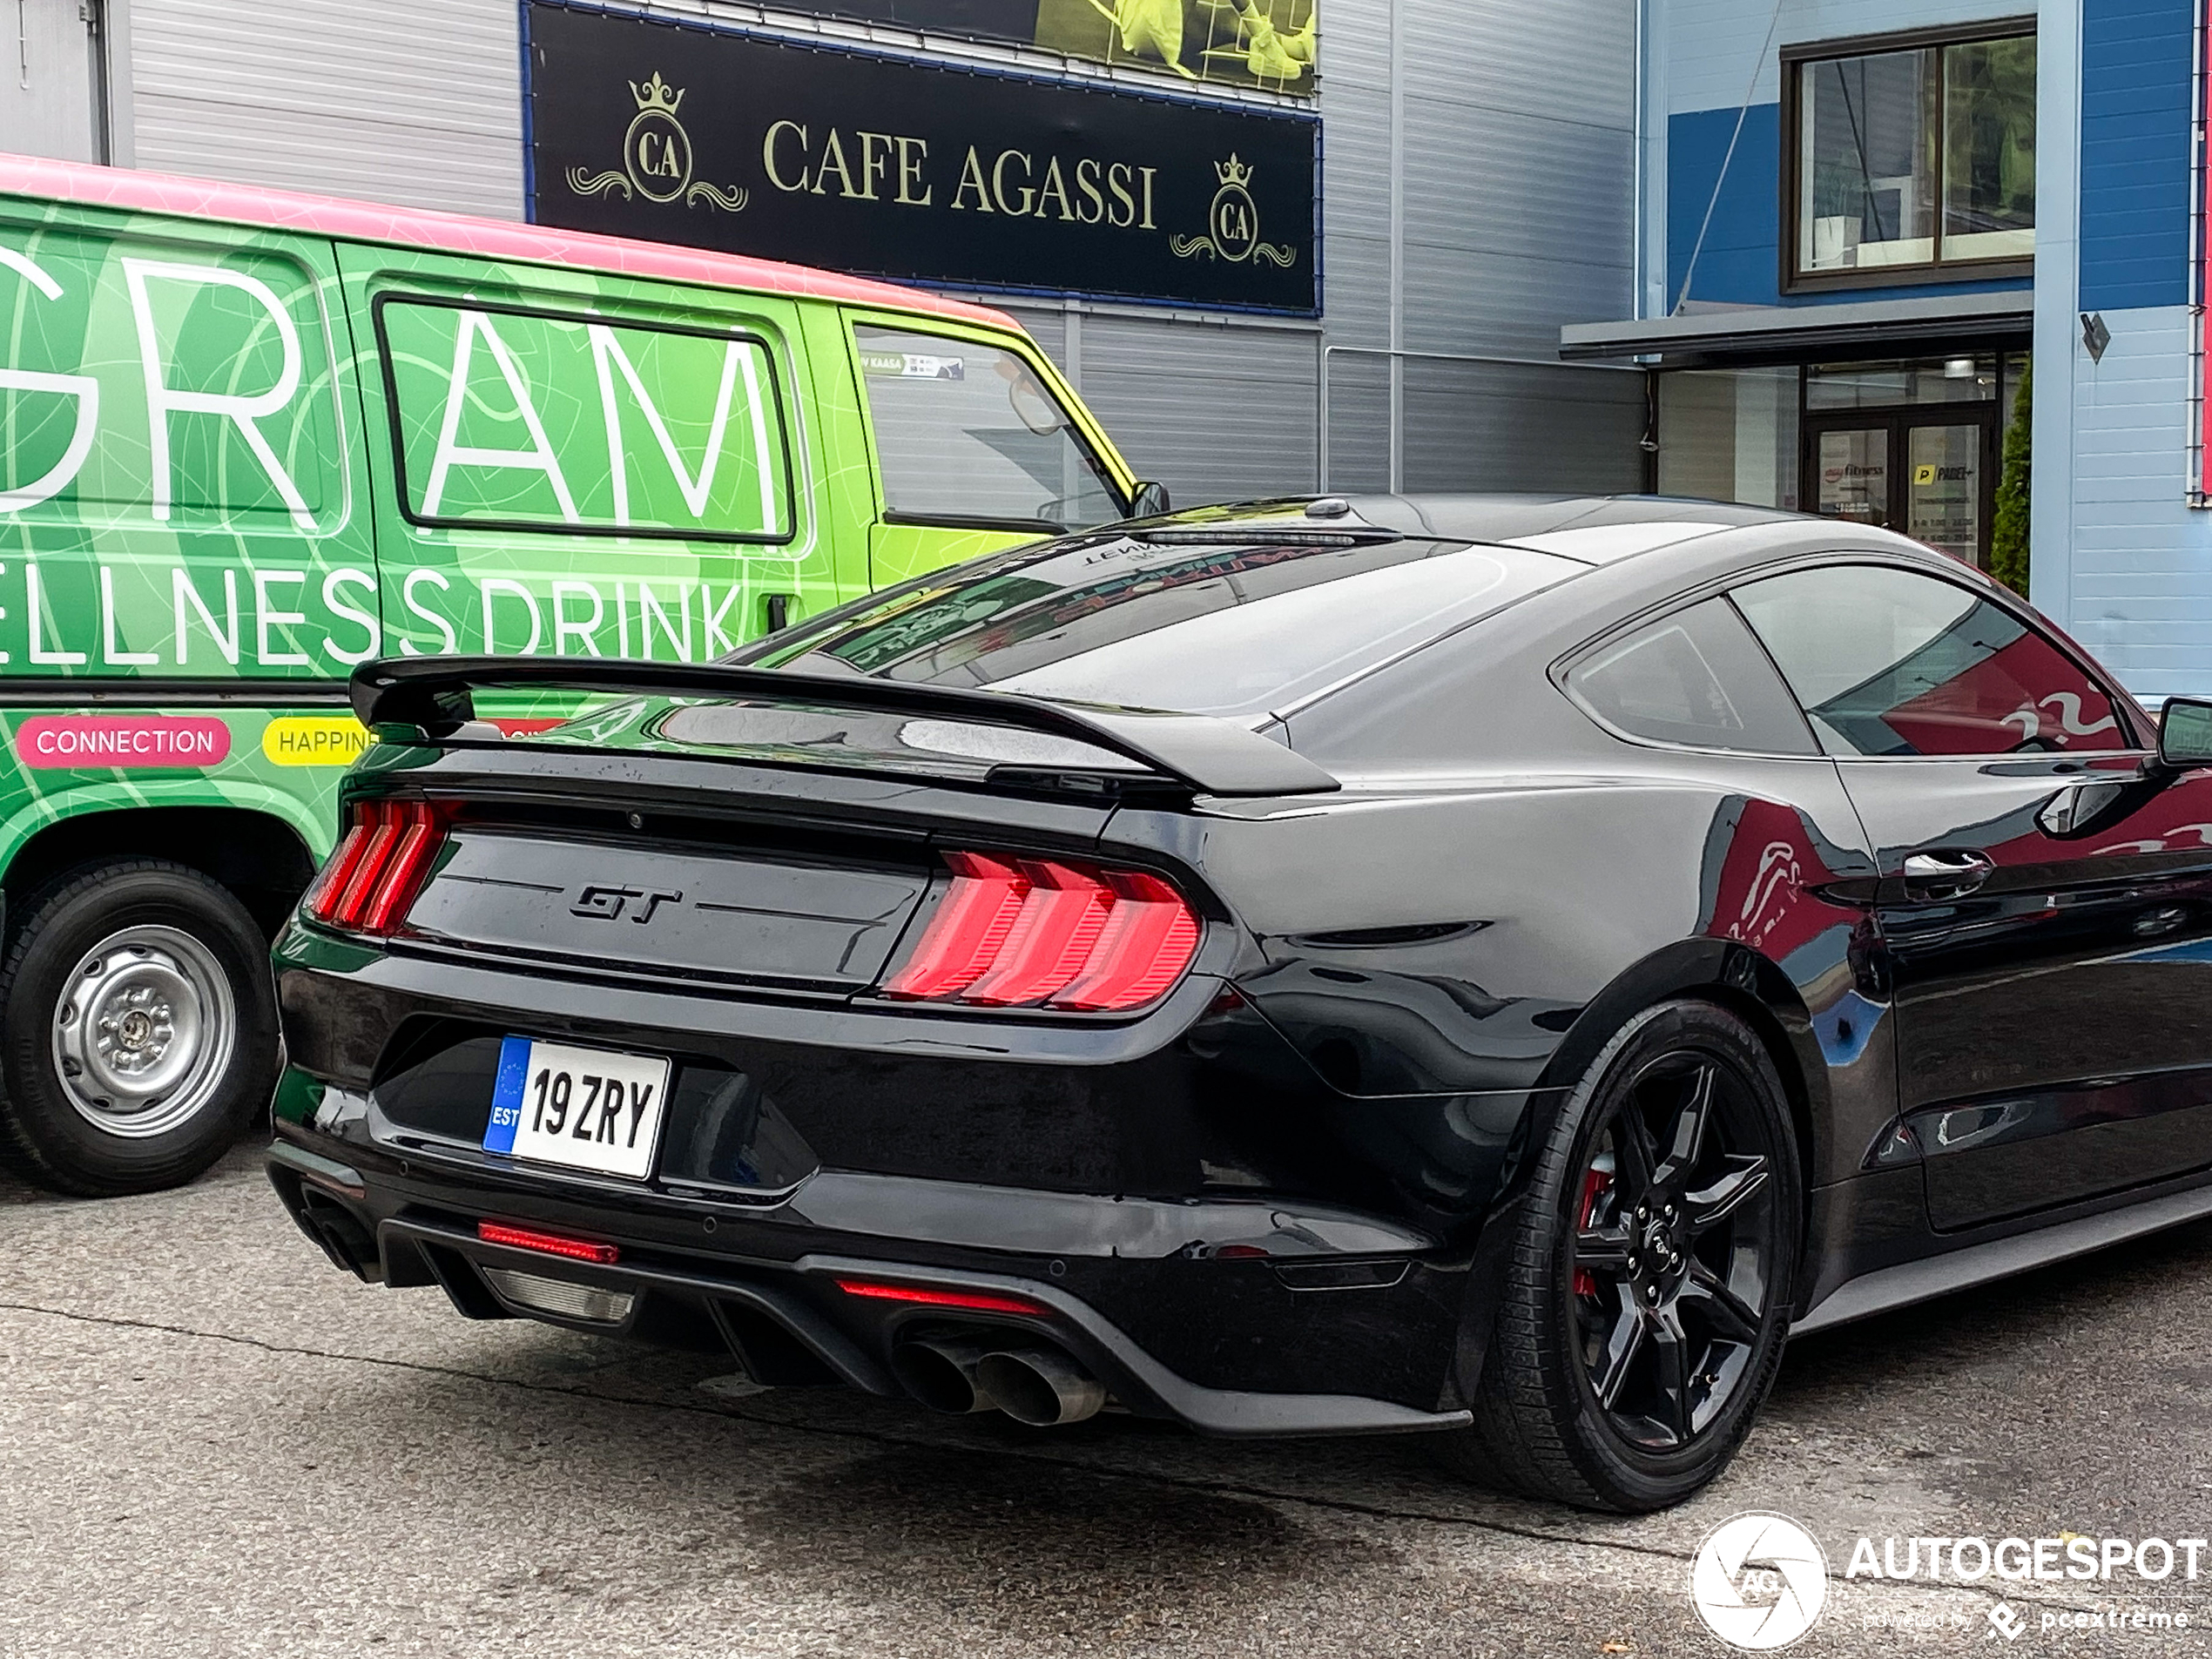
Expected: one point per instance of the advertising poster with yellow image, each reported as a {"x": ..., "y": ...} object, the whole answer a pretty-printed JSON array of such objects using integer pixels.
[{"x": 1267, "y": 44}]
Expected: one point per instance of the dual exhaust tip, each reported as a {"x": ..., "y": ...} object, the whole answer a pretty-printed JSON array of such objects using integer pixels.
[{"x": 1034, "y": 1385}]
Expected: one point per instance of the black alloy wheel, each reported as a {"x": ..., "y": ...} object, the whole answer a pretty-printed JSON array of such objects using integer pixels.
[
  {"x": 1647, "y": 1299},
  {"x": 1674, "y": 1253}
]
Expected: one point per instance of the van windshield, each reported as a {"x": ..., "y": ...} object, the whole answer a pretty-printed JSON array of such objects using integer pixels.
[{"x": 1246, "y": 626}]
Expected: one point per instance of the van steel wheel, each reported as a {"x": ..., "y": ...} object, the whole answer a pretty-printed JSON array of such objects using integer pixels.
[
  {"x": 1647, "y": 1301},
  {"x": 145, "y": 1031},
  {"x": 139, "y": 1029}
]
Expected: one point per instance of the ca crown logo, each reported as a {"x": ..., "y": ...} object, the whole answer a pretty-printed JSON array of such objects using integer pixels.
[
  {"x": 1759, "y": 1582},
  {"x": 656, "y": 157},
  {"x": 1232, "y": 224}
]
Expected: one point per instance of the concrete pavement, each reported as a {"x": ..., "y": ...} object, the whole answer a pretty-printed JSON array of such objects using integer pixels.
[{"x": 212, "y": 1444}]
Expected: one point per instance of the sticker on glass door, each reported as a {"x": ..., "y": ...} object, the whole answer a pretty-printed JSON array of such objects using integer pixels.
[
  {"x": 1854, "y": 480},
  {"x": 1944, "y": 503}
]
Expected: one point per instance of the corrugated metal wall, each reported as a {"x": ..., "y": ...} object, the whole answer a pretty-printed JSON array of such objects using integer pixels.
[
  {"x": 2138, "y": 598},
  {"x": 50, "y": 98},
  {"x": 1511, "y": 214},
  {"x": 1510, "y": 127},
  {"x": 411, "y": 101},
  {"x": 1254, "y": 425},
  {"x": 1253, "y": 431}
]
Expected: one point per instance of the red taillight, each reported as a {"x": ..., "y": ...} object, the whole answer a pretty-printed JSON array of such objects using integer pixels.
[
  {"x": 576, "y": 1250},
  {"x": 925, "y": 1296},
  {"x": 1029, "y": 932},
  {"x": 322, "y": 896},
  {"x": 1149, "y": 940},
  {"x": 1050, "y": 941},
  {"x": 972, "y": 921},
  {"x": 378, "y": 867}
]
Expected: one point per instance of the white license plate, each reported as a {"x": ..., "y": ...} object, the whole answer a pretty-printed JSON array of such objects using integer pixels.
[{"x": 585, "y": 1108}]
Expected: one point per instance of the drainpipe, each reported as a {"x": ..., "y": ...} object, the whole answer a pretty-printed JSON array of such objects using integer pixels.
[{"x": 1397, "y": 250}]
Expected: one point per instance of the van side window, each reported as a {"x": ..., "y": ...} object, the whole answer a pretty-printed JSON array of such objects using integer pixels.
[
  {"x": 524, "y": 420},
  {"x": 191, "y": 387},
  {"x": 967, "y": 435}
]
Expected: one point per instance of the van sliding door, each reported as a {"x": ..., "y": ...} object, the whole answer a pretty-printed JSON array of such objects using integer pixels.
[{"x": 583, "y": 466}]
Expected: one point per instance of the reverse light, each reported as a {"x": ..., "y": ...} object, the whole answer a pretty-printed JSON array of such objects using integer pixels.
[
  {"x": 1027, "y": 932},
  {"x": 575, "y": 1249},
  {"x": 379, "y": 867},
  {"x": 927, "y": 1296}
]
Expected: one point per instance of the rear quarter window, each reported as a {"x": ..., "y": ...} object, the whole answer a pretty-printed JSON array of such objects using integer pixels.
[{"x": 1697, "y": 679}]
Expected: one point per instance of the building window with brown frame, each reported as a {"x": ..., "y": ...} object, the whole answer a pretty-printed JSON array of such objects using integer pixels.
[{"x": 1911, "y": 157}]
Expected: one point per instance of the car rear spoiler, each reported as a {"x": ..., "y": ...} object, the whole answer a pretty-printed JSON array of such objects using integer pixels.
[{"x": 1210, "y": 756}]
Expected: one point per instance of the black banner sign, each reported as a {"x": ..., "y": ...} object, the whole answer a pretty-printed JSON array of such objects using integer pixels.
[{"x": 899, "y": 168}]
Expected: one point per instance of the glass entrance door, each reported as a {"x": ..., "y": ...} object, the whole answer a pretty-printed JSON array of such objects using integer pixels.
[
  {"x": 1929, "y": 477},
  {"x": 1852, "y": 474}
]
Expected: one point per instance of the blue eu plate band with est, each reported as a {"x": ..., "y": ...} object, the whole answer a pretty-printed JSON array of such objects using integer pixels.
[{"x": 507, "y": 1094}]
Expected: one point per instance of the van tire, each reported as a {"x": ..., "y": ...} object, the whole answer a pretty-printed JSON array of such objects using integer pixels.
[{"x": 173, "y": 1049}]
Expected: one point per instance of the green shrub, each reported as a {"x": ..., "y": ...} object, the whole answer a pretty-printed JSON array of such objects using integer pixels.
[{"x": 2008, "y": 533}]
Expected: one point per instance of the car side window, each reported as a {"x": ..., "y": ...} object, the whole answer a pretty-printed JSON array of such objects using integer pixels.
[
  {"x": 1697, "y": 678},
  {"x": 1891, "y": 661},
  {"x": 967, "y": 434}
]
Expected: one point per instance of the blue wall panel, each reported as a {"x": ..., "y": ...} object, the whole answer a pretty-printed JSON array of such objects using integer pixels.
[
  {"x": 1738, "y": 263},
  {"x": 2135, "y": 73},
  {"x": 1742, "y": 258}
]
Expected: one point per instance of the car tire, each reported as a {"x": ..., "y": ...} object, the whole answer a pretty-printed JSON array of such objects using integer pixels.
[
  {"x": 138, "y": 1028},
  {"x": 1644, "y": 1313}
]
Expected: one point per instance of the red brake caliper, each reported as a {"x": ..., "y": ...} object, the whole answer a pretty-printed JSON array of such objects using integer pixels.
[{"x": 1594, "y": 1182}]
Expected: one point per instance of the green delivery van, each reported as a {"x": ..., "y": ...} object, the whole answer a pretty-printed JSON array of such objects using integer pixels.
[{"x": 249, "y": 440}]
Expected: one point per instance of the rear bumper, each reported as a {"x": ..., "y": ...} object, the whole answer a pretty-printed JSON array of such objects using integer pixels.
[
  {"x": 787, "y": 1321},
  {"x": 1228, "y": 1240}
]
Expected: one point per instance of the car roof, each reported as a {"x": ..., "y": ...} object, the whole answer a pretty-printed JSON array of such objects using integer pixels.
[
  {"x": 1596, "y": 530},
  {"x": 461, "y": 235},
  {"x": 1589, "y": 529}
]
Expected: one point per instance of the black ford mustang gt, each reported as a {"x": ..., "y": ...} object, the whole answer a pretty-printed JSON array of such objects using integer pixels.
[{"x": 1490, "y": 967}]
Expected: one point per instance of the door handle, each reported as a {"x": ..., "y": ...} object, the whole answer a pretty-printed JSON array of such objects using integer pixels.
[{"x": 1946, "y": 873}]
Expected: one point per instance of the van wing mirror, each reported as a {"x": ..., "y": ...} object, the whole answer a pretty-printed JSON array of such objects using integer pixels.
[
  {"x": 2185, "y": 732},
  {"x": 1148, "y": 500}
]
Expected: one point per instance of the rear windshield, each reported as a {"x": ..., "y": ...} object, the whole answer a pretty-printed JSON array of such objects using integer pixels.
[{"x": 1240, "y": 628}]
